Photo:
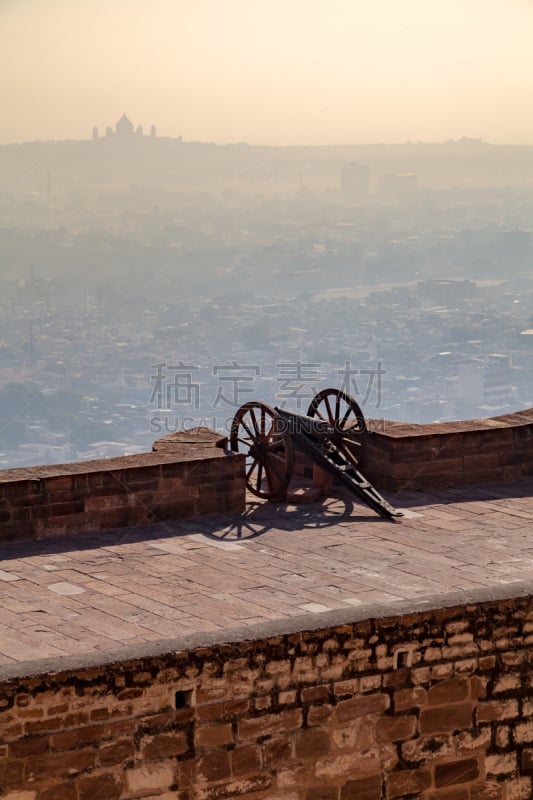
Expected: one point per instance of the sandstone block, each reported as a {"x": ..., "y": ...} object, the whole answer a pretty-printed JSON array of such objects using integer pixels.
[
  {"x": 456, "y": 772},
  {"x": 362, "y": 789},
  {"x": 106, "y": 786},
  {"x": 407, "y": 782},
  {"x": 445, "y": 719}
]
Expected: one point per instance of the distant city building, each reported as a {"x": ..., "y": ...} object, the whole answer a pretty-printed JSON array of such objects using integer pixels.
[
  {"x": 471, "y": 383},
  {"x": 399, "y": 187},
  {"x": 355, "y": 181},
  {"x": 488, "y": 384},
  {"x": 499, "y": 375},
  {"x": 124, "y": 130}
]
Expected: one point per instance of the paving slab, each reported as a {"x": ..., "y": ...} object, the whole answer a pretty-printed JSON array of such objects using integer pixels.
[{"x": 272, "y": 568}]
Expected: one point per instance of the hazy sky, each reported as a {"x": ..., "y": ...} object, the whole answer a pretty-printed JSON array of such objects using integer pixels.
[{"x": 269, "y": 71}]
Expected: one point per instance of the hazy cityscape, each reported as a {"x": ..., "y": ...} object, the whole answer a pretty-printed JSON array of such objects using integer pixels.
[{"x": 150, "y": 284}]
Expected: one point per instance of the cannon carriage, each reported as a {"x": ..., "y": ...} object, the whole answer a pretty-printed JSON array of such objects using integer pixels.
[{"x": 332, "y": 434}]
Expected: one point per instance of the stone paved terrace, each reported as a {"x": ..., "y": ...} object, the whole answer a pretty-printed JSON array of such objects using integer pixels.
[{"x": 91, "y": 596}]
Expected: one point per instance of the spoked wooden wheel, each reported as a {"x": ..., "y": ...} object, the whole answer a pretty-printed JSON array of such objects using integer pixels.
[
  {"x": 259, "y": 433},
  {"x": 343, "y": 414}
]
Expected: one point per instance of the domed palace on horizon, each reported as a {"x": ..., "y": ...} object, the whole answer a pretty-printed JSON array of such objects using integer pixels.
[{"x": 124, "y": 129}]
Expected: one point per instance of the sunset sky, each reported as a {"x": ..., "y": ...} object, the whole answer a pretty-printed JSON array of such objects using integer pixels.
[{"x": 269, "y": 71}]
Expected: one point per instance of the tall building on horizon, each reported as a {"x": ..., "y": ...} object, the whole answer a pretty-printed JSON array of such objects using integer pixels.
[
  {"x": 355, "y": 181},
  {"x": 124, "y": 130}
]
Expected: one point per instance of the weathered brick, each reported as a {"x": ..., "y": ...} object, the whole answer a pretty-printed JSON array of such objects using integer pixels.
[
  {"x": 45, "y": 725},
  {"x": 322, "y": 793},
  {"x": 362, "y": 789},
  {"x": 312, "y": 743},
  {"x": 488, "y": 790},
  {"x": 151, "y": 778},
  {"x": 454, "y": 793},
  {"x": 214, "y": 735},
  {"x": 287, "y": 698},
  {"x": 456, "y": 772},
  {"x": 11, "y": 772},
  {"x": 312, "y": 694},
  {"x": 405, "y": 699},
  {"x": 223, "y": 710},
  {"x": 319, "y": 715},
  {"x": 243, "y": 786},
  {"x": 21, "y": 794},
  {"x": 487, "y": 663},
  {"x": 59, "y": 791},
  {"x": 33, "y": 746},
  {"x": 256, "y": 727},
  {"x": 396, "y": 729},
  {"x": 115, "y": 752},
  {"x": 518, "y": 788},
  {"x": 526, "y": 760},
  {"x": 500, "y": 764},
  {"x": 164, "y": 745},
  {"x": 130, "y": 694},
  {"x": 361, "y": 706},
  {"x": 57, "y": 765},
  {"x": 345, "y": 688},
  {"x": 350, "y": 763},
  {"x": 396, "y": 678},
  {"x": 358, "y": 735},
  {"x": 445, "y": 719},
  {"x": 507, "y": 683},
  {"x": 454, "y": 690},
  {"x": 106, "y": 786},
  {"x": 407, "y": 782},
  {"x": 524, "y": 732},
  {"x": 262, "y": 703},
  {"x": 495, "y": 710},
  {"x": 277, "y": 751},
  {"x": 245, "y": 760},
  {"x": 214, "y": 766}
]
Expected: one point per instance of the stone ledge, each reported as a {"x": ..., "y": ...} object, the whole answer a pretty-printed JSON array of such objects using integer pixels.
[
  {"x": 444, "y": 455},
  {"x": 186, "y": 474},
  {"x": 399, "y": 430},
  {"x": 298, "y": 624}
]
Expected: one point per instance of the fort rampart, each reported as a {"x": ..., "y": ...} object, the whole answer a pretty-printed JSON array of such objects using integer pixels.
[
  {"x": 191, "y": 473},
  {"x": 434, "y": 704}
]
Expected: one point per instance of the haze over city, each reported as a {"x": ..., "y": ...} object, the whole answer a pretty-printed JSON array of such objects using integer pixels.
[
  {"x": 277, "y": 72},
  {"x": 205, "y": 202}
]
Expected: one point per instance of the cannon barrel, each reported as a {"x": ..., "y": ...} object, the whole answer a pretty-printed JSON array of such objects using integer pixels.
[{"x": 295, "y": 422}]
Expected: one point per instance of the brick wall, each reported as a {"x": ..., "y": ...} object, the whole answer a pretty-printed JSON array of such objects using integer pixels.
[
  {"x": 449, "y": 454},
  {"x": 187, "y": 474},
  {"x": 436, "y": 705},
  {"x": 190, "y": 473},
  {"x": 398, "y": 455}
]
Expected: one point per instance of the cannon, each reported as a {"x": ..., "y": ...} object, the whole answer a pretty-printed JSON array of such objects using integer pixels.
[{"x": 331, "y": 433}]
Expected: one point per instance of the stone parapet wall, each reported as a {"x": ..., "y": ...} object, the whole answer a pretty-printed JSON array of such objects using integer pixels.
[
  {"x": 186, "y": 475},
  {"x": 190, "y": 473},
  {"x": 441, "y": 455},
  {"x": 436, "y": 705}
]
